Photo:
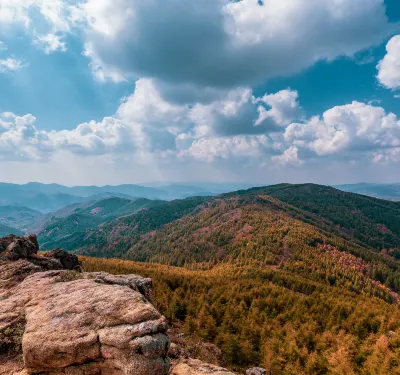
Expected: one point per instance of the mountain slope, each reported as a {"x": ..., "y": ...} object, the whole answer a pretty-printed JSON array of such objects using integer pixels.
[
  {"x": 366, "y": 221},
  {"x": 6, "y": 230},
  {"x": 286, "y": 276},
  {"x": 281, "y": 321},
  {"x": 18, "y": 217},
  {"x": 33, "y": 198},
  {"x": 72, "y": 220},
  {"x": 116, "y": 237},
  {"x": 372, "y": 221},
  {"x": 252, "y": 227}
]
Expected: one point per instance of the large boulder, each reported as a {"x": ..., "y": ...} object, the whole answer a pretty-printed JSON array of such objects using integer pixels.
[
  {"x": 76, "y": 323},
  {"x": 68, "y": 322},
  {"x": 196, "y": 367}
]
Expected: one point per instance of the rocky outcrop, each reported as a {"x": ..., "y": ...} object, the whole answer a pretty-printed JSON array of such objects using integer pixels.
[
  {"x": 256, "y": 371},
  {"x": 74, "y": 322},
  {"x": 196, "y": 367},
  {"x": 13, "y": 248},
  {"x": 68, "y": 261}
]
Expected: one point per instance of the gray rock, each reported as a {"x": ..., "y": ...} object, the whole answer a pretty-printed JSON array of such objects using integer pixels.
[
  {"x": 256, "y": 371},
  {"x": 21, "y": 248}
]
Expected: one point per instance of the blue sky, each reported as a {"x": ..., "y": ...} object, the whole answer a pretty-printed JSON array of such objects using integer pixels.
[{"x": 96, "y": 92}]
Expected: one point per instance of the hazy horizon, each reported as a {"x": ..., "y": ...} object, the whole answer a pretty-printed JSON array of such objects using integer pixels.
[{"x": 200, "y": 184}]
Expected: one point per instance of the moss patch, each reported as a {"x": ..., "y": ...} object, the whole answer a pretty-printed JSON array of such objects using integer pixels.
[{"x": 11, "y": 337}]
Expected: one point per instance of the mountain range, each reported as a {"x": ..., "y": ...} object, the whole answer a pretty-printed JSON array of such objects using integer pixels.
[
  {"x": 299, "y": 279},
  {"x": 385, "y": 191},
  {"x": 47, "y": 198},
  {"x": 364, "y": 220}
]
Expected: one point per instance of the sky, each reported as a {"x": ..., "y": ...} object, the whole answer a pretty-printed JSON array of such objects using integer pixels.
[{"x": 127, "y": 91}]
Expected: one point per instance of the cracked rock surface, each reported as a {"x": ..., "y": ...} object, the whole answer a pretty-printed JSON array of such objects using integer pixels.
[{"x": 81, "y": 323}]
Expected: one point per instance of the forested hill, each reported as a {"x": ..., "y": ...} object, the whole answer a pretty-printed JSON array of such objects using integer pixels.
[
  {"x": 301, "y": 279},
  {"x": 362, "y": 220},
  {"x": 71, "y": 221},
  {"x": 349, "y": 239},
  {"x": 115, "y": 237},
  {"x": 373, "y": 221}
]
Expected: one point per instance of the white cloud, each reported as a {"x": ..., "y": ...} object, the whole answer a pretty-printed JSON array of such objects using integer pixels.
[
  {"x": 284, "y": 106},
  {"x": 10, "y": 64},
  {"x": 389, "y": 66},
  {"x": 216, "y": 44},
  {"x": 240, "y": 112},
  {"x": 3, "y": 46},
  {"x": 234, "y": 114},
  {"x": 220, "y": 43},
  {"x": 353, "y": 128},
  {"x": 146, "y": 123},
  {"x": 46, "y": 21},
  {"x": 54, "y": 12},
  {"x": 238, "y": 127},
  {"x": 289, "y": 156},
  {"x": 101, "y": 72},
  {"x": 146, "y": 106},
  {"x": 236, "y": 147},
  {"x": 50, "y": 43},
  {"x": 21, "y": 140},
  {"x": 387, "y": 156}
]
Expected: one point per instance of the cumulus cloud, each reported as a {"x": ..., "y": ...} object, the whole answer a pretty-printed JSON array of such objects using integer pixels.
[
  {"x": 51, "y": 43},
  {"x": 192, "y": 50},
  {"x": 47, "y": 21},
  {"x": 10, "y": 65},
  {"x": 271, "y": 129},
  {"x": 21, "y": 140},
  {"x": 284, "y": 107},
  {"x": 289, "y": 156},
  {"x": 236, "y": 147},
  {"x": 146, "y": 123},
  {"x": 220, "y": 43},
  {"x": 54, "y": 12},
  {"x": 353, "y": 128},
  {"x": 389, "y": 66},
  {"x": 241, "y": 113}
]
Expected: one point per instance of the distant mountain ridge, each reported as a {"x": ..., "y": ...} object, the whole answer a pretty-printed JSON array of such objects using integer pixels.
[
  {"x": 67, "y": 222},
  {"x": 52, "y": 197},
  {"x": 6, "y": 230},
  {"x": 385, "y": 191},
  {"x": 18, "y": 217},
  {"x": 364, "y": 221}
]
